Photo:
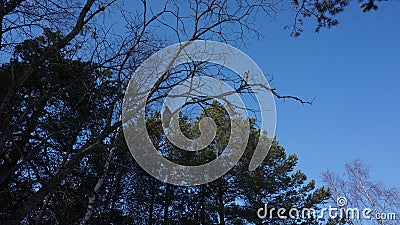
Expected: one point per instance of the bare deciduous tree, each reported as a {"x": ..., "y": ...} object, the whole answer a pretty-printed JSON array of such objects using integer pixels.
[
  {"x": 361, "y": 192},
  {"x": 102, "y": 42}
]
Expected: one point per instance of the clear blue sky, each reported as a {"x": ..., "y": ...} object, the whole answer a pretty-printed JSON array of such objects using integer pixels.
[{"x": 353, "y": 70}]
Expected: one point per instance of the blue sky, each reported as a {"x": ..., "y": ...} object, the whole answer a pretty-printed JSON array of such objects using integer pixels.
[{"x": 353, "y": 70}]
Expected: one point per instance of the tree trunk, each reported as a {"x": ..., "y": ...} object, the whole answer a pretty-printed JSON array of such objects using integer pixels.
[
  {"x": 221, "y": 206},
  {"x": 202, "y": 205},
  {"x": 97, "y": 187},
  {"x": 151, "y": 208},
  {"x": 167, "y": 203}
]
